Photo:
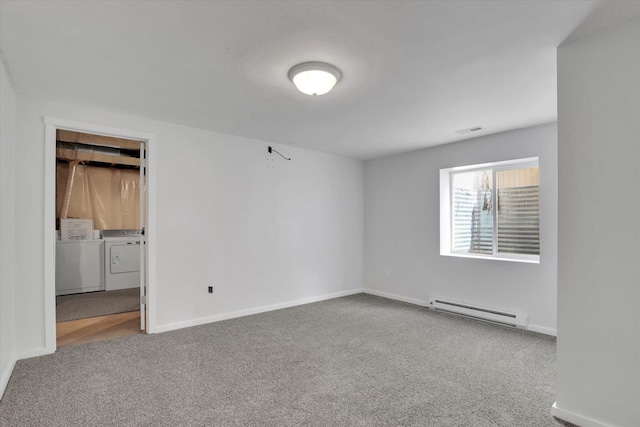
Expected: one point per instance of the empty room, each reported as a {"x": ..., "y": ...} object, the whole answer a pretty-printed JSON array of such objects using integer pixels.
[{"x": 327, "y": 213}]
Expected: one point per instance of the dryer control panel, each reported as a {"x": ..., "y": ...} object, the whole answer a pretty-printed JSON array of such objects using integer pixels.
[{"x": 119, "y": 234}]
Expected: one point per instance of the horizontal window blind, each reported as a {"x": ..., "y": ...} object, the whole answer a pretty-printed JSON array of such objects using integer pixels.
[
  {"x": 493, "y": 210},
  {"x": 519, "y": 220},
  {"x": 472, "y": 221}
]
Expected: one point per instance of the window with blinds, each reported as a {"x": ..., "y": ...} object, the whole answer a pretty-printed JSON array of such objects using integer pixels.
[
  {"x": 492, "y": 210},
  {"x": 472, "y": 212},
  {"x": 518, "y": 216}
]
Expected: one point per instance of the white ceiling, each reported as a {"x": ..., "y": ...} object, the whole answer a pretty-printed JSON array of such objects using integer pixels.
[{"x": 413, "y": 72}]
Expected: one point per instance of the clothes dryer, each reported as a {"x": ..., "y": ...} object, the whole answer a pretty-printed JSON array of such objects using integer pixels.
[{"x": 121, "y": 259}]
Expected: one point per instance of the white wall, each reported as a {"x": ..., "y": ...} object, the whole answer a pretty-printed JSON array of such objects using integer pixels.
[
  {"x": 599, "y": 233},
  {"x": 261, "y": 230},
  {"x": 7, "y": 146},
  {"x": 402, "y": 229}
]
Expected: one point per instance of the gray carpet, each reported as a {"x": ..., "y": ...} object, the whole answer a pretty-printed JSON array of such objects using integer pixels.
[
  {"x": 93, "y": 304},
  {"x": 353, "y": 361}
]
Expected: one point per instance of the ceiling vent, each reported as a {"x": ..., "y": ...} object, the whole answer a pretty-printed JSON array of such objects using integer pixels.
[{"x": 469, "y": 130}]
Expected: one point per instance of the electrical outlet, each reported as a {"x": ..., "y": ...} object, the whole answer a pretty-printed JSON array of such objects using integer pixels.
[
  {"x": 387, "y": 272},
  {"x": 210, "y": 289}
]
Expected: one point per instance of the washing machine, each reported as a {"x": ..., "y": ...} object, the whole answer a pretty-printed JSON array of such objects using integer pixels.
[
  {"x": 79, "y": 266},
  {"x": 121, "y": 259}
]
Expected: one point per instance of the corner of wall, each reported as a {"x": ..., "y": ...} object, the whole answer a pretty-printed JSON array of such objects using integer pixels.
[
  {"x": 6, "y": 375},
  {"x": 573, "y": 418},
  {"x": 8, "y": 355},
  {"x": 598, "y": 322},
  {"x": 403, "y": 232}
]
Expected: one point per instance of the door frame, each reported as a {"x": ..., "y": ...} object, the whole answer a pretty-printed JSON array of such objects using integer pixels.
[{"x": 51, "y": 126}]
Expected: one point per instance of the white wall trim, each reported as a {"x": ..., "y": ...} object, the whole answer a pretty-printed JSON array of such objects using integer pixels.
[
  {"x": 36, "y": 352},
  {"x": 576, "y": 419},
  {"x": 51, "y": 125},
  {"x": 98, "y": 129},
  {"x": 4, "y": 380},
  {"x": 250, "y": 311},
  {"x": 49, "y": 281},
  {"x": 543, "y": 330},
  {"x": 397, "y": 297},
  {"x": 150, "y": 148},
  {"x": 423, "y": 303}
]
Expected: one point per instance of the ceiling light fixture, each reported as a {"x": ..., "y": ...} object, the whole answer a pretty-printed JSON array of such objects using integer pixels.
[{"x": 314, "y": 78}]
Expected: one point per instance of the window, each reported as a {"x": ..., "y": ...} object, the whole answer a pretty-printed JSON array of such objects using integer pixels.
[{"x": 491, "y": 211}]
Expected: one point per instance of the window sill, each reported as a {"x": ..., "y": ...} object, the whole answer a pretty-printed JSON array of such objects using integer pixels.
[{"x": 532, "y": 260}]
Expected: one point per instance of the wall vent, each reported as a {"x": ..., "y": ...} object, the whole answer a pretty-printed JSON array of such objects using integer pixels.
[
  {"x": 500, "y": 317},
  {"x": 469, "y": 130}
]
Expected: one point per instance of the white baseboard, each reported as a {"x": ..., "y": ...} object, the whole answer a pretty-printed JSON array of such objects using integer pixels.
[
  {"x": 396, "y": 297},
  {"x": 257, "y": 310},
  {"x": 4, "y": 379},
  {"x": 543, "y": 330},
  {"x": 35, "y": 353},
  {"x": 576, "y": 419}
]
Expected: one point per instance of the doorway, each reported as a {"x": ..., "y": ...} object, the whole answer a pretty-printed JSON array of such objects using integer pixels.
[{"x": 89, "y": 152}]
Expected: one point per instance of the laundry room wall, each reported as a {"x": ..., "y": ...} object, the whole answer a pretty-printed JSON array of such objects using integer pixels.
[
  {"x": 263, "y": 231},
  {"x": 98, "y": 177},
  {"x": 109, "y": 195}
]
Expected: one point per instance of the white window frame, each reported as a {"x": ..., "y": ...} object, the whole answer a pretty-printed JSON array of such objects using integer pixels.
[{"x": 446, "y": 213}]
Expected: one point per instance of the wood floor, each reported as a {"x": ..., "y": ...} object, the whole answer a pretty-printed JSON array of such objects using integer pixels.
[{"x": 97, "y": 328}]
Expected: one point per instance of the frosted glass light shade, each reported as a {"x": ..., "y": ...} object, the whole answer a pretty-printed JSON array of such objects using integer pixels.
[{"x": 314, "y": 78}]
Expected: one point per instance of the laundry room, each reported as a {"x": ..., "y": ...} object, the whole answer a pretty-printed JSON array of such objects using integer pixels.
[{"x": 98, "y": 234}]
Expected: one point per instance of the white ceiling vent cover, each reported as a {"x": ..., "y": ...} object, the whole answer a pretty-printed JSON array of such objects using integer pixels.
[
  {"x": 504, "y": 318},
  {"x": 469, "y": 130}
]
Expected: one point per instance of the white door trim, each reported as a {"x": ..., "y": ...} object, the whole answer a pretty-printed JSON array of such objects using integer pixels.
[
  {"x": 142, "y": 252},
  {"x": 51, "y": 125}
]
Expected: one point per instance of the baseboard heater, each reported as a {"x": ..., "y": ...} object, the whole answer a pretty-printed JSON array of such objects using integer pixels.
[{"x": 514, "y": 320}]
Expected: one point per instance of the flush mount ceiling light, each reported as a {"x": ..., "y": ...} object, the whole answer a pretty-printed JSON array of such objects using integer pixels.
[{"x": 314, "y": 78}]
